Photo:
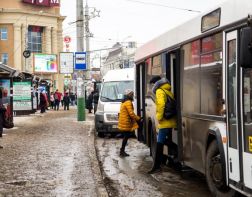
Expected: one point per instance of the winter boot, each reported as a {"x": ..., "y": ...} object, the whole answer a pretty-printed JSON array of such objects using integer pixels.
[
  {"x": 123, "y": 153},
  {"x": 157, "y": 159}
]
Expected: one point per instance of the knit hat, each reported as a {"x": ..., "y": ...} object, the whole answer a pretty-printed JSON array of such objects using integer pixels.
[
  {"x": 155, "y": 79},
  {"x": 128, "y": 92}
]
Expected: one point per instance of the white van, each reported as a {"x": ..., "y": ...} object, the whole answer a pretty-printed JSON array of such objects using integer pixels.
[{"x": 114, "y": 83}]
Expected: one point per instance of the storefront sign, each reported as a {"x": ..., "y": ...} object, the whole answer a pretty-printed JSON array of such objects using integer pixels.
[
  {"x": 49, "y": 3},
  {"x": 22, "y": 96},
  {"x": 66, "y": 63}
]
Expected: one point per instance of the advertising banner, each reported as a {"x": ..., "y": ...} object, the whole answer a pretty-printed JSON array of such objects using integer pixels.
[
  {"x": 42, "y": 2},
  {"x": 66, "y": 63},
  {"x": 49, "y": 3},
  {"x": 22, "y": 96},
  {"x": 5, "y": 86},
  {"x": 80, "y": 61},
  {"x": 44, "y": 63}
]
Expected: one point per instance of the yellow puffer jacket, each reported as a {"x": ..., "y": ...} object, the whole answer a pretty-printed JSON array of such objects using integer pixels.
[
  {"x": 160, "y": 105},
  {"x": 127, "y": 117}
]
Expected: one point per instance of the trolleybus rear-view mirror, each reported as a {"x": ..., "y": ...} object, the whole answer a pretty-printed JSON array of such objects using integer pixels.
[{"x": 246, "y": 48}]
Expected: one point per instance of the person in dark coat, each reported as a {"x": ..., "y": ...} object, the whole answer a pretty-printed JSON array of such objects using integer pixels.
[
  {"x": 72, "y": 99},
  {"x": 43, "y": 103},
  {"x": 66, "y": 100},
  {"x": 89, "y": 103},
  {"x": 95, "y": 99}
]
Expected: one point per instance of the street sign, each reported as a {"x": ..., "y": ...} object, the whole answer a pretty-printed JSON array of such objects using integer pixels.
[
  {"x": 80, "y": 61},
  {"x": 27, "y": 53},
  {"x": 67, "y": 39}
]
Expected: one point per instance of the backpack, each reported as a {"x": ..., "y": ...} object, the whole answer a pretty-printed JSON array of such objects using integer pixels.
[{"x": 170, "y": 107}]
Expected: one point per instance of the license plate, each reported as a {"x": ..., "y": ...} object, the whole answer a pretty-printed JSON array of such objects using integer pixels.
[{"x": 114, "y": 126}]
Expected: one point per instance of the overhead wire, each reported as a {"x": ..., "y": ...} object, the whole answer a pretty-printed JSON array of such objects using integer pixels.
[{"x": 162, "y": 5}]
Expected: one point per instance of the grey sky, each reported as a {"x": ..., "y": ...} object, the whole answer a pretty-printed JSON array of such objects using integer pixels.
[{"x": 131, "y": 20}]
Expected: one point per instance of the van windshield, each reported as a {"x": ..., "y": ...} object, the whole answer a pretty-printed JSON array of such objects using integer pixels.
[{"x": 113, "y": 91}]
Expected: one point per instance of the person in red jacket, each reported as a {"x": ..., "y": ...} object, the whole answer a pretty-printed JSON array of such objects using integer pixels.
[{"x": 57, "y": 99}]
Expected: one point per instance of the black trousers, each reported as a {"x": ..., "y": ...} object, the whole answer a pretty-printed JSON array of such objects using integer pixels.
[{"x": 126, "y": 136}]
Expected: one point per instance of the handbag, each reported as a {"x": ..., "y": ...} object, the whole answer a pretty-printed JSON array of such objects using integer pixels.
[{"x": 170, "y": 107}]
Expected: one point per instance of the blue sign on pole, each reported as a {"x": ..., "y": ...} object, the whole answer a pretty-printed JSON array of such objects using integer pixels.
[{"x": 80, "y": 61}]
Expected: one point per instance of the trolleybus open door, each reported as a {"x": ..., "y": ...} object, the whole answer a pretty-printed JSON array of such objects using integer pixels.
[{"x": 239, "y": 115}]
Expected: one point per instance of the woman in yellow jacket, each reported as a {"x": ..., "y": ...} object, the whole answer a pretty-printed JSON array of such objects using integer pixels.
[
  {"x": 161, "y": 89},
  {"x": 127, "y": 119}
]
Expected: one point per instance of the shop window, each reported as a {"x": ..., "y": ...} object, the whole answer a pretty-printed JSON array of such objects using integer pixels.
[
  {"x": 35, "y": 39},
  {"x": 4, "y": 58},
  {"x": 4, "y": 33},
  {"x": 191, "y": 77}
]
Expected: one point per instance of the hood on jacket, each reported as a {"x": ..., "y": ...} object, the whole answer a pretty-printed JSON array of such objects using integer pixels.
[{"x": 162, "y": 82}]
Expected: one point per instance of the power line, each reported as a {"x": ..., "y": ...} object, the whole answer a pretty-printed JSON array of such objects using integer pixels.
[{"x": 161, "y": 5}]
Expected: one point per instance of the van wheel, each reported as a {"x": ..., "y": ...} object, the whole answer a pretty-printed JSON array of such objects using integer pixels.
[
  {"x": 100, "y": 134},
  {"x": 153, "y": 144},
  {"x": 214, "y": 176}
]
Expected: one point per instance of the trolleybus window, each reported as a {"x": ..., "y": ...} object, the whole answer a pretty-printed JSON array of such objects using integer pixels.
[
  {"x": 191, "y": 77},
  {"x": 211, "y": 75},
  {"x": 233, "y": 127},
  {"x": 148, "y": 63},
  {"x": 247, "y": 110}
]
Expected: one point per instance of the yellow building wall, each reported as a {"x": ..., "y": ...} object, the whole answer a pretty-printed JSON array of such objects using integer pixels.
[
  {"x": 18, "y": 16},
  {"x": 6, "y": 46}
]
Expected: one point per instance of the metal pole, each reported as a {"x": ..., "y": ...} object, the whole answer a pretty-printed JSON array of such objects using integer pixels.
[
  {"x": 87, "y": 35},
  {"x": 80, "y": 48},
  {"x": 80, "y": 26}
]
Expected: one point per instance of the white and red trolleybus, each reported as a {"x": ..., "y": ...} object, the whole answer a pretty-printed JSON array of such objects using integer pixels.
[{"x": 209, "y": 63}]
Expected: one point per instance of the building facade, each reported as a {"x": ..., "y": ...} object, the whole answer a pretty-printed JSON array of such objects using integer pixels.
[
  {"x": 119, "y": 57},
  {"x": 35, "y": 26}
]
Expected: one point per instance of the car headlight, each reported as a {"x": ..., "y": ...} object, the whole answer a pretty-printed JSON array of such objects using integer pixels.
[{"x": 112, "y": 117}]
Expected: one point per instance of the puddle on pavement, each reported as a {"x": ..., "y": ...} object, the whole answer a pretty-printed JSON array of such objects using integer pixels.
[{"x": 129, "y": 175}]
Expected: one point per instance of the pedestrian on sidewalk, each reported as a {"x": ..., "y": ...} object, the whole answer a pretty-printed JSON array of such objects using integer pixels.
[
  {"x": 43, "y": 103},
  {"x": 66, "y": 100},
  {"x": 89, "y": 103},
  {"x": 95, "y": 99},
  {"x": 52, "y": 100},
  {"x": 57, "y": 98},
  {"x": 127, "y": 119},
  {"x": 161, "y": 89}
]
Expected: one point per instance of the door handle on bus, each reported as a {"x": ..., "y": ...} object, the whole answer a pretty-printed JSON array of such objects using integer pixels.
[
  {"x": 146, "y": 105},
  {"x": 183, "y": 124}
]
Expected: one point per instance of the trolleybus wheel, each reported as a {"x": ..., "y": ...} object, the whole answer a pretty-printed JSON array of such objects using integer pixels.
[{"x": 214, "y": 176}]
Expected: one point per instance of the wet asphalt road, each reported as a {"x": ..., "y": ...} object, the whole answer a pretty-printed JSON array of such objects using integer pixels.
[
  {"x": 50, "y": 155},
  {"x": 54, "y": 155},
  {"x": 128, "y": 176}
]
